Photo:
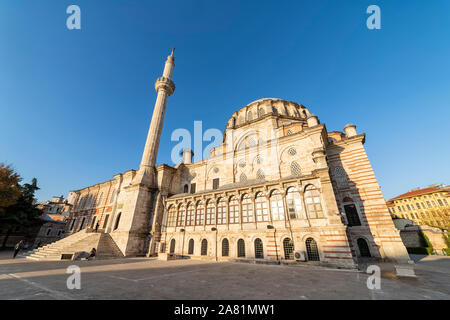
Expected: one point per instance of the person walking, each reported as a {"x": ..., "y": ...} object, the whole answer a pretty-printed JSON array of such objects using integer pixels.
[
  {"x": 96, "y": 227},
  {"x": 17, "y": 248}
]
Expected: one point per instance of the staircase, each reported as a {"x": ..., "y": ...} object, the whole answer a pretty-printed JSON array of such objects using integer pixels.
[{"x": 78, "y": 242}]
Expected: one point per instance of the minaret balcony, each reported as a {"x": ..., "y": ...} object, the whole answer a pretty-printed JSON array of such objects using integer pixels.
[{"x": 165, "y": 84}]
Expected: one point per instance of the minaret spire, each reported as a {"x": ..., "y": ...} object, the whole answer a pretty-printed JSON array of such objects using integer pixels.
[{"x": 165, "y": 87}]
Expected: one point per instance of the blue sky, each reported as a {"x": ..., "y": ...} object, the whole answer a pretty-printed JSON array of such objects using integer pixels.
[{"x": 75, "y": 105}]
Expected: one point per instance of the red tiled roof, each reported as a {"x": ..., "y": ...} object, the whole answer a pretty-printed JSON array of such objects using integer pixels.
[{"x": 416, "y": 193}]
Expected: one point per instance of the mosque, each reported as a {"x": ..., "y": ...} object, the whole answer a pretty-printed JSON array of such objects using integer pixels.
[{"x": 279, "y": 188}]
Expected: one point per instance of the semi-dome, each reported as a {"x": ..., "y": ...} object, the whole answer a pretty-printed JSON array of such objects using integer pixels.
[{"x": 265, "y": 106}]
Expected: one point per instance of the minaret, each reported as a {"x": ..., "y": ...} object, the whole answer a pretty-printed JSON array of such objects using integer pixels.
[
  {"x": 140, "y": 197},
  {"x": 165, "y": 87}
]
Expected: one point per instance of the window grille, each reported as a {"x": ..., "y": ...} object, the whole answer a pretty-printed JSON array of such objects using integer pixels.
[
  {"x": 241, "y": 248},
  {"x": 225, "y": 248},
  {"x": 295, "y": 169},
  {"x": 288, "y": 247},
  {"x": 204, "y": 249},
  {"x": 311, "y": 250},
  {"x": 259, "y": 251},
  {"x": 191, "y": 247}
]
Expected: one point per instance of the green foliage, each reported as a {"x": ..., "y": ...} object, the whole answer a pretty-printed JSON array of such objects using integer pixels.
[
  {"x": 446, "y": 237},
  {"x": 420, "y": 250},
  {"x": 23, "y": 213},
  {"x": 424, "y": 241},
  {"x": 9, "y": 186},
  {"x": 447, "y": 251}
]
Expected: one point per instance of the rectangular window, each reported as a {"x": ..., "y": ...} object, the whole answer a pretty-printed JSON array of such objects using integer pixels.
[
  {"x": 215, "y": 183},
  {"x": 193, "y": 185}
]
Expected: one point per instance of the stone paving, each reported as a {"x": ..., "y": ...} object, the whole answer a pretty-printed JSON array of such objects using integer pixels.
[{"x": 144, "y": 278}]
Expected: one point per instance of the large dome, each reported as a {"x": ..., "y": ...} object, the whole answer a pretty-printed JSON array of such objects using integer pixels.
[{"x": 262, "y": 107}]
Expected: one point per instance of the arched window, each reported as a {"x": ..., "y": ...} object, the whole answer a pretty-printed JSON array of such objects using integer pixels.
[
  {"x": 210, "y": 213},
  {"x": 191, "y": 246},
  {"x": 259, "y": 251},
  {"x": 172, "y": 246},
  {"x": 225, "y": 248},
  {"x": 288, "y": 247},
  {"x": 363, "y": 248},
  {"x": 243, "y": 178},
  {"x": 200, "y": 216},
  {"x": 292, "y": 152},
  {"x": 295, "y": 169},
  {"x": 222, "y": 211},
  {"x": 190, "y": 215},
  {"x": 241, "y": 248},
  {"x": 313, "y": 205},
  {"x": 260, "y": 112},
  {"x": 247, "y": 209},
  {"x": 276, "y": 206},
  {"x": 351, "y": 213},
  {"x": 260, "y": 174},
  {"x": 311, "y": 250},
  {"x": 172, "y": 216},
  {"x": 234, "y": 210},
  {"x": 294, "y": 203},
  {"x": 262, "y": 212},
  {"x": 249, "y": 116},
  {"x": 116, "y": 225},
  {"x": 99, "y": 202},
  {"x": 181, "y": 216},
  {"x": 186, "y": 188},
  {"x": 204, "y": 250}
]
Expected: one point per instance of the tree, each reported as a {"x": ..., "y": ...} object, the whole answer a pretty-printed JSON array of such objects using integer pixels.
[
  {"x": 9, "y": 186},
  {"x": 23, "y": 213}
]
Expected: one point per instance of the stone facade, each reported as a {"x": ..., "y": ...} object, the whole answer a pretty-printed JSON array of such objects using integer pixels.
[{"x": 279, "y": 184}]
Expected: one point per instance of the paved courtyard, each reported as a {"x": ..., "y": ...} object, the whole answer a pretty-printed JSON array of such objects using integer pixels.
[{"x": 143, "y": 278}]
